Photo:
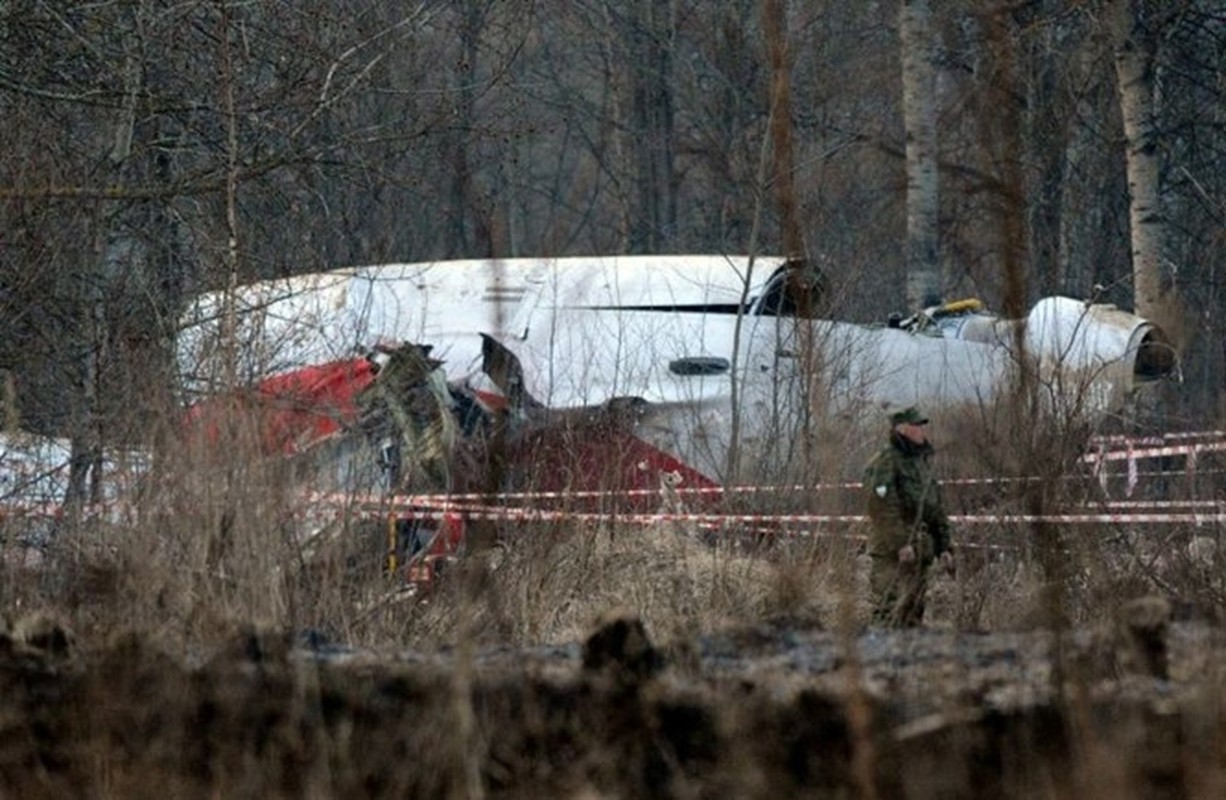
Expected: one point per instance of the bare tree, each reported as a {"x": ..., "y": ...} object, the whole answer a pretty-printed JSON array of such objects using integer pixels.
[
  {"x": 1137, "y": 26},
  {"x": 920, "y": 114},
  {"x": 783, "y": 170},
  {"x": 650, "y": 28},
  {"x": 464, "y": 205},
  {"x": 129, "y": 174},
  {"x": 369, "y": 132}
]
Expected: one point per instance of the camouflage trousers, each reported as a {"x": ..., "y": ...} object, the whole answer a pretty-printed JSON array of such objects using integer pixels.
[{"x": 898, "y": 592}]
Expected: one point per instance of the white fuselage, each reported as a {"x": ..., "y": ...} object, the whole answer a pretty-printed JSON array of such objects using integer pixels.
[{"x": 692, "y": 335}]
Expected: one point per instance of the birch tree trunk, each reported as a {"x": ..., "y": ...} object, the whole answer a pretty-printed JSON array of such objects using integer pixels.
[
  {"x": 919, "y": 119},
  {"x": 1135, "y": 56}
]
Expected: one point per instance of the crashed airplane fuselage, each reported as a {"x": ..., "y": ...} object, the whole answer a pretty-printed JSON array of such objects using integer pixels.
[{"x": 687, "y": 343}]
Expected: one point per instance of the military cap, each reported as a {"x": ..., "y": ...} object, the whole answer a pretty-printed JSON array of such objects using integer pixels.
[{"x": 909, "y": 416}]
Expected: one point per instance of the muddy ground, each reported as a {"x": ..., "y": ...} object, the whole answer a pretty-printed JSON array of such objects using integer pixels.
[{"x": 1134, "y": 710}]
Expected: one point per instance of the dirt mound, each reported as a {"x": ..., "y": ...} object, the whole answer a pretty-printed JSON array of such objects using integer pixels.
[{"x": 762, "y": 713}]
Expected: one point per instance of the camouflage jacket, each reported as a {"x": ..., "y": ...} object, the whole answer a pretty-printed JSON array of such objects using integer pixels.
[{"x": 904, "y": 501}]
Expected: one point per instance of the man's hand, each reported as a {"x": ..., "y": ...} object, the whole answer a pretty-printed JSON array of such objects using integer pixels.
[
  {"x": 906, "y": 554},
  {"x": 947, "y": 561}
]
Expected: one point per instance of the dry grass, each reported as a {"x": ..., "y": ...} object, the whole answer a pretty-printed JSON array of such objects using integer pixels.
[
  {"x": 548, "y": 587},
  {"x": 210, "y": 545},
  {"x": 214, "y": 546}
]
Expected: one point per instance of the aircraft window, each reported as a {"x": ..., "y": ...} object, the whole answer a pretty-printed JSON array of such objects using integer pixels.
[
  {"x": 682, "y": 308},
  {"x": 795, "y": 290},
  {"x": 699, "y": 365}
]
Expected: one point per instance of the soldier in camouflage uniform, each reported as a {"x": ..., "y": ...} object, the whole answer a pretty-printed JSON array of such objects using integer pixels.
[{"x": 909, "y": 526}]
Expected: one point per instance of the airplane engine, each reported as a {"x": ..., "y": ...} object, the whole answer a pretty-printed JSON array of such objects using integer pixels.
[
  {"x": 1092, "y": 337},
  {"x": 1093, "y": 355}
]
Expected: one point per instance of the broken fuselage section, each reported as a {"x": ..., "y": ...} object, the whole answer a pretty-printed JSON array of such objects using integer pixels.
[{"x": 691, "y": 357}]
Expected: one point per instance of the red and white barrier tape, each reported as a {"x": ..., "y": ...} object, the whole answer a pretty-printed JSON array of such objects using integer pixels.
[
  {"x": 859, "y": 537},
  {"x": 689, "y": 491},
  {"x": 50, "y": 509},
  {"x": 1135, "y": 454},
  {"x": 1095, "y": 518},
  {"x": 523, "y": 514},
  {"x": 1215, "y": 504},
  {"x": 32, "y": 509},
  {"x": 1154, "y": 439},
  {"x": 480, "y": 504},
  {"x": 682, "y": 491}
]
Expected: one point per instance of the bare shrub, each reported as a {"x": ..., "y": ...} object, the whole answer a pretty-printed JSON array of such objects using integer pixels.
[{"x": 547, "y": 587}]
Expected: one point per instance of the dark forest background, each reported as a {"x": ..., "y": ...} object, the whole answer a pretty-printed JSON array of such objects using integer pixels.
[{"x": 155, "y": 149}]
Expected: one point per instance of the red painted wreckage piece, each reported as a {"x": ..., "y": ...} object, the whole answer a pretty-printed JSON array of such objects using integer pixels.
[
  {"x": 297, "y": 409},
  {"x": 594, "y": 457},
  {"x": 293, "y": 410},
  {"x": 590, "y": 457}
]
